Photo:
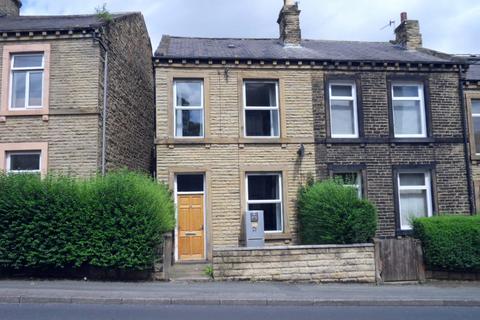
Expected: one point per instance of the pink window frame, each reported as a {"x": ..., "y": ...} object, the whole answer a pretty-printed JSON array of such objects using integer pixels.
[
  {"x": 10, "y": 50},
  {"x": 27, "y": 146}
]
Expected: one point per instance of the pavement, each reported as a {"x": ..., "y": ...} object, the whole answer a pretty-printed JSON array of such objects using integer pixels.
[{"x": 455, "y": 294}]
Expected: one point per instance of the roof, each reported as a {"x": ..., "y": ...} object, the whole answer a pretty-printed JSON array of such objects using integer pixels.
[
  {"x": 473, "y": 72},
  {"x": 271, "y": 49},
  {"x": 52, "y": 23}
]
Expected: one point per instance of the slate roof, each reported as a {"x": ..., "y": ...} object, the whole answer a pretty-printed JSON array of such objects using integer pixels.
[
  {"x": 271, "y": 49},
  {"x": 52, "y": 23},
  {"x": 473, "y": 72}
]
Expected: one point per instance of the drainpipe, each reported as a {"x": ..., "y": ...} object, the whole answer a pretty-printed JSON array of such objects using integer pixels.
[
  {"x": 105, "y": 103},
  {"x": 471, "y": 197}
]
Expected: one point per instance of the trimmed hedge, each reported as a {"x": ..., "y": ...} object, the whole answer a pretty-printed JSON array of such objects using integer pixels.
[
  {"x": 450, "y": 243},
  {"x": 112, "y": 222},
  {"x": 332, "y": 214}
]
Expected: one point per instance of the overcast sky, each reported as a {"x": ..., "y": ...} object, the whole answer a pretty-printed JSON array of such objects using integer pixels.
[{"x": 447, "y": 25}]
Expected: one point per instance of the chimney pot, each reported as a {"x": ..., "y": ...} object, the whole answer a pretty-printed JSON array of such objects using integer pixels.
[{"x": 407, "y": 34}]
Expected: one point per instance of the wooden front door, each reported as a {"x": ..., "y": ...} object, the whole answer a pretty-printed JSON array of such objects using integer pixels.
[{"x": 191, "y": 233}]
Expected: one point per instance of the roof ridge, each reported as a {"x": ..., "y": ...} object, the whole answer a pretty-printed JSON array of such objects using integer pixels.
[
  {"x": 87, "y": 15},
  {"x": 273, "y": 39}
]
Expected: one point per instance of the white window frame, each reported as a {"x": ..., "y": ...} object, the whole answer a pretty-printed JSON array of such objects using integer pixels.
[
  {"x": 474, "y": 115},
  {"x": 280, "y": 200},
  {"x": 420, "y": 98},
  {"x": 353, "y": 98},
  {"x": 426, "y": 187},
  {"x": 28, "y": 70},
  {"x": 9, "y": 154},
  {"x": 176, "y": 108},
  {"x": 261, "y": 108},
  {"x": 358, "y": 186}
]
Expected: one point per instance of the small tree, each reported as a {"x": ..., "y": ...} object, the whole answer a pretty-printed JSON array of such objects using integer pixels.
[
  {"x": 103, "y": 13},
  {"x": 330, "y": 213}
]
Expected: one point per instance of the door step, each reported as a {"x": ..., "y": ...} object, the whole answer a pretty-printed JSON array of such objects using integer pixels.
[{"x": 190, "y": 272}]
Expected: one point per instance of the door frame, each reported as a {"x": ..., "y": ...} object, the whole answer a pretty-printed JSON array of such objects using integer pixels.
[{"x": 176, "y": 194}]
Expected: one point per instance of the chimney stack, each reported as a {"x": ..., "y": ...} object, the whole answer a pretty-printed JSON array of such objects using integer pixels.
[
  {"x": 289, "y": 23},
  {"x": 407, "y": 34},
  {"x": 10, "y": 7}
]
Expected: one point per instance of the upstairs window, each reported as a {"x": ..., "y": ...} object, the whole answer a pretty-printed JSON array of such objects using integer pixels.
[
  {"x": 476, "y": 124},
  {"x": 188, "y": 105},
  {"x": 408, "y": 103},
  {"x": 414, "y": 196},
  {"x": 23, "y": 162},
  {"x": 261, "y": 109},
  {"x": 350, "y": 180},
  {"x": 26, "y": 84},
  {"x": 343, "y": 110}
]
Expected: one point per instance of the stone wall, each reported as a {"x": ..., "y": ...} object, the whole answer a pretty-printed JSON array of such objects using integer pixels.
[
  {"x": 72, "y": 128},
  {"x": 131, "y": 107},
  {"x": 223, "y": 152},
  {"x": 10, "y": 7},
  {"x": 321, "y": 263},
  {"x": 379, "y": 152},
  {"x": 224, "y": 155}
]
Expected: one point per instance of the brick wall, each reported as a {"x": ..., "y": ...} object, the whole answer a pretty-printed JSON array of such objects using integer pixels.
[
  {"x": 379, "y": 153},
  {"x": 131, "y": 110},
  {"x": 326, "y": 263}
]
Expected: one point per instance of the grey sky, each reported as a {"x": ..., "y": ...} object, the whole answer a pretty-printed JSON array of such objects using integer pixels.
[{"x": 447, "y": 25}]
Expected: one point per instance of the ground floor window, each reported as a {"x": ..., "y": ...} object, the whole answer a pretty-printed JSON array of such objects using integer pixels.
[
  {"x": 23, "y": 162},
  {"x": 350, "y": 179},
  {"x": 264, "y": 192},
  {"x": 414, "y": 196}
]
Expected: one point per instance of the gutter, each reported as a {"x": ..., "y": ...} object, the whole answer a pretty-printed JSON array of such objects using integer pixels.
[
  {"x": 105, "y": 104},
  {"x": 466, "y": 147}
]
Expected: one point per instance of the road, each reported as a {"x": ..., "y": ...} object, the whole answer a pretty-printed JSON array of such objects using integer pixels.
[{"x": 181, "y": 312}]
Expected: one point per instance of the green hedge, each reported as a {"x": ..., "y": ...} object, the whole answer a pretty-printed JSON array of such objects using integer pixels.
[
  {"x": 113, "y": 222},
  {"x": 450, "y": 243},
  {"x": 332, "y": 214}
]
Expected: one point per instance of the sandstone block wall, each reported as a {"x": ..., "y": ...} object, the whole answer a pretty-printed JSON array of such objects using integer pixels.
[{"x": 324, "y": 263}]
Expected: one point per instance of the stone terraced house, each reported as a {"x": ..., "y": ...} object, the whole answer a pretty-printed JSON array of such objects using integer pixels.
[
  {"x": 243, "y": 123},
  {"x": 55, "y": 113},
  {"x": 471, "y": 86}
]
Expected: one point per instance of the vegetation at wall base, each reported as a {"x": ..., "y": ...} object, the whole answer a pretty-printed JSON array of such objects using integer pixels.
[
  {"x": 105, "y": 223},
  {"x": 450, "y": 243},
  {"x": 330, "y": 213}
]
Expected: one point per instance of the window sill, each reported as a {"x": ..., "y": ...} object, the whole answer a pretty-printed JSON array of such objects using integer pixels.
[
  {"x": 412, "y": 140},
  {"x": 28, "y": 112},
  {"x": 404, "y": 233},
  {"x": 278, "y": 236}
]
